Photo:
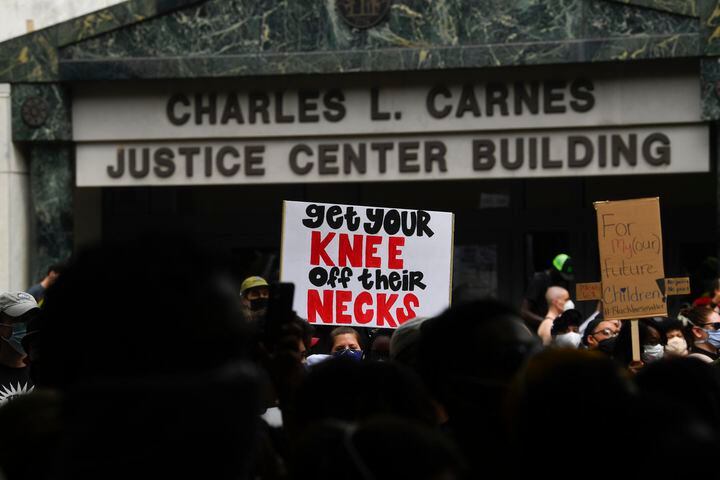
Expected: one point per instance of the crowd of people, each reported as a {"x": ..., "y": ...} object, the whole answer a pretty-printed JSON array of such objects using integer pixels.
[{"x": 148, "y": 359}]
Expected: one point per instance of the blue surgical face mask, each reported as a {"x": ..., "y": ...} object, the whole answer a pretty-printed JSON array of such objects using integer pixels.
[
  {"x": 348, "y": 353},
  {"x": 18, "y": 332},
  {"x": 713, "y": 338}
]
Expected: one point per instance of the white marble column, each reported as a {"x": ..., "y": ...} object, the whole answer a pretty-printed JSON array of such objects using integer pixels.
[{"x": 16, "y": 236}]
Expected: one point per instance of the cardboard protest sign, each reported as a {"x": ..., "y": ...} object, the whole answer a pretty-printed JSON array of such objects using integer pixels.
[
  {"x": 677, "y": 286},
  {"x": 366, "y": 266},
  {"x": 588, "y": 291},
  {"x": 593, "y": 290},
  {"x": 631, "y": 259}
]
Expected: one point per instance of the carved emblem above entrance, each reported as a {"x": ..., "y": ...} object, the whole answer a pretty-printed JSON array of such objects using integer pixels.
[
  {"x": 35, "y": 111},
  {"x": 363, "y": 13}
]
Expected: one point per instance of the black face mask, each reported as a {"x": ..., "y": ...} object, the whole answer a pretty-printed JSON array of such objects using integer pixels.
[
  {"x": 607, "y": 346},
  {"x": 258, "y": 304}
]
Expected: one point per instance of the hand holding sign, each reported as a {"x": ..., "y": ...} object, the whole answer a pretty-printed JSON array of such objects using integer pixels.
[{"x": 366, "y": 266}]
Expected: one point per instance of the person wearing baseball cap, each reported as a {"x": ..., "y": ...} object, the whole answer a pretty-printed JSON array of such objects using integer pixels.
[
  {"x": 16, "y": 309},
  {"x": 254, "y": 295}
]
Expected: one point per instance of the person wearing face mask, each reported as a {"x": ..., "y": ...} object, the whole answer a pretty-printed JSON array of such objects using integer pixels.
[
  {"x": 601, "y": 335},
  {"x": 565, "y": 329},
  {"x": 16, "y": 308},
  {"x": 346, "y": 343},
  {"x": 676, "y": 345},
  {"x": 703, "y": 327},
  {"x": 254, "y": 295},
  {"x": 535, "y": 304},
  {"x": 652, "y": 344},
  {"x": 556, "y": 298}
]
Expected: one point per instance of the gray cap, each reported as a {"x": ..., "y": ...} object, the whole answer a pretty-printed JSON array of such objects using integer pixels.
[
  {"x": 17, "y": 304},
  {"x": 405, "y": 339}
]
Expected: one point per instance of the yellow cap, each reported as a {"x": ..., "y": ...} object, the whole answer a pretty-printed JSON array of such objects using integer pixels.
[{"x": 252, "y": 282}]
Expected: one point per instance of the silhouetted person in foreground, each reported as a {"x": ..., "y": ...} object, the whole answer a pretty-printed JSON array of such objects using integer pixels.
[
  {"x": 145, "y": 342},
  {"x": 346, "y": 390},
  {"x": 567, "y": 397},
  {"x": 468, "y": 356},
  {"x": 380, "y": 448}
]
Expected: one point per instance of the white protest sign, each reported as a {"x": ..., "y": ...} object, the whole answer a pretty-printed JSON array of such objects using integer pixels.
[{"x": 366, "y": 266}]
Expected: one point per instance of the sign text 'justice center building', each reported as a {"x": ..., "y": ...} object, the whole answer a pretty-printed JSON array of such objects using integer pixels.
[{"x": 522, "y": 129}]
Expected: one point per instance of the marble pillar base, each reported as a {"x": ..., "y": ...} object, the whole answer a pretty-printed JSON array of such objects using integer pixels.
[{"x": 51, "y": 180}]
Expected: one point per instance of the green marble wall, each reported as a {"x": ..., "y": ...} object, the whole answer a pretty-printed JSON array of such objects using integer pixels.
[
  {"x": 51, "y": 186},
  {"x": 34, "y": 57},
  {"x": 46, "y": 103},
  {"x": 194, "y": 38},
  {"x": 269, "y": 37},
  {"x": 710, "y": 26},
  {"x": 30, "y": 58},
  {"x": 114, "y": 17},
  {"x": 682, "y": 7}
]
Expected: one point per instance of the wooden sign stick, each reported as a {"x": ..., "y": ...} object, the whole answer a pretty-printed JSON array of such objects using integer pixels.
[{"x": 635, "y": 333}]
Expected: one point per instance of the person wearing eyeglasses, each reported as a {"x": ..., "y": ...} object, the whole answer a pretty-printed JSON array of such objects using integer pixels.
[
  {"x": 702, "y": 325},
  {"x": 601, "y": 335}
]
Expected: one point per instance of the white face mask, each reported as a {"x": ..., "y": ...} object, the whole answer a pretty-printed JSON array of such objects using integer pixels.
[
  {"x": 676, "y": 346},
  {"x": 568, "y": 340},
  {"x": 652, "y": 353},
  {"x": 569, "y": 305}
]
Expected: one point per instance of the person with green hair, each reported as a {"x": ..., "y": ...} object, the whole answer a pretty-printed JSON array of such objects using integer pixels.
[{"x": 534, "y": 305}]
